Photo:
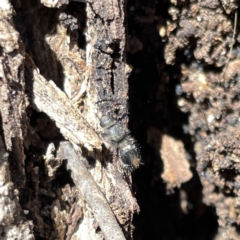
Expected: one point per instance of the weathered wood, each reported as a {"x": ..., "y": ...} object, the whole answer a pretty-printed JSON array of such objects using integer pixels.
[
  {"x": 13, "y": 121},
  {"x": 47, "y": 97},
  {"x": 74, "y": 87},
  {"x": 91, "y": 192},
  {"x": 106, "y": 61}
]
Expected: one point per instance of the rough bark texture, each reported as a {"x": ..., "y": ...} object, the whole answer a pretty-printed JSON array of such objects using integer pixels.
[
  {"x": 168, "y": 71},
  {"x": 106, "y": 61},
  {"x": 71, "y": 86}
]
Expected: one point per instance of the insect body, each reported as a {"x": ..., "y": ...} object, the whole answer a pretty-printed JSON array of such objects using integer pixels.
[{"x": 117, "y": 134}]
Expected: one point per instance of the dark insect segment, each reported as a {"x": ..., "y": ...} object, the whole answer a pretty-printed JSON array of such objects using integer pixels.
[{"x": 118, "y": 135}]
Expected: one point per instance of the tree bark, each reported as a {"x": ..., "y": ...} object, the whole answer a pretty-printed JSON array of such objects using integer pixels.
[
  {"x": 76, "y": 77},
  {"x": 52, "y": 90}
]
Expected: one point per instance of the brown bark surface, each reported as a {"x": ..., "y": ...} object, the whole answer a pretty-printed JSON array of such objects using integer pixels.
[{"x": 168, "y": 71}]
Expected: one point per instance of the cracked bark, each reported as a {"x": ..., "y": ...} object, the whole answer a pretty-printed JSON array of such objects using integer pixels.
[
  {"x": 63, "y": 67},
  {"x": 52, "y": 89}
]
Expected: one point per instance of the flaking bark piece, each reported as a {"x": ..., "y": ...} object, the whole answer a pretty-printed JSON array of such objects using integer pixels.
[
  {"x": 90, "y": 192},
  {"x": 48, "y": 98},
  {"x": 13, "y": 225},
  {"x": 54, "y": 3},
  {"x": 176, "y": 166}
]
